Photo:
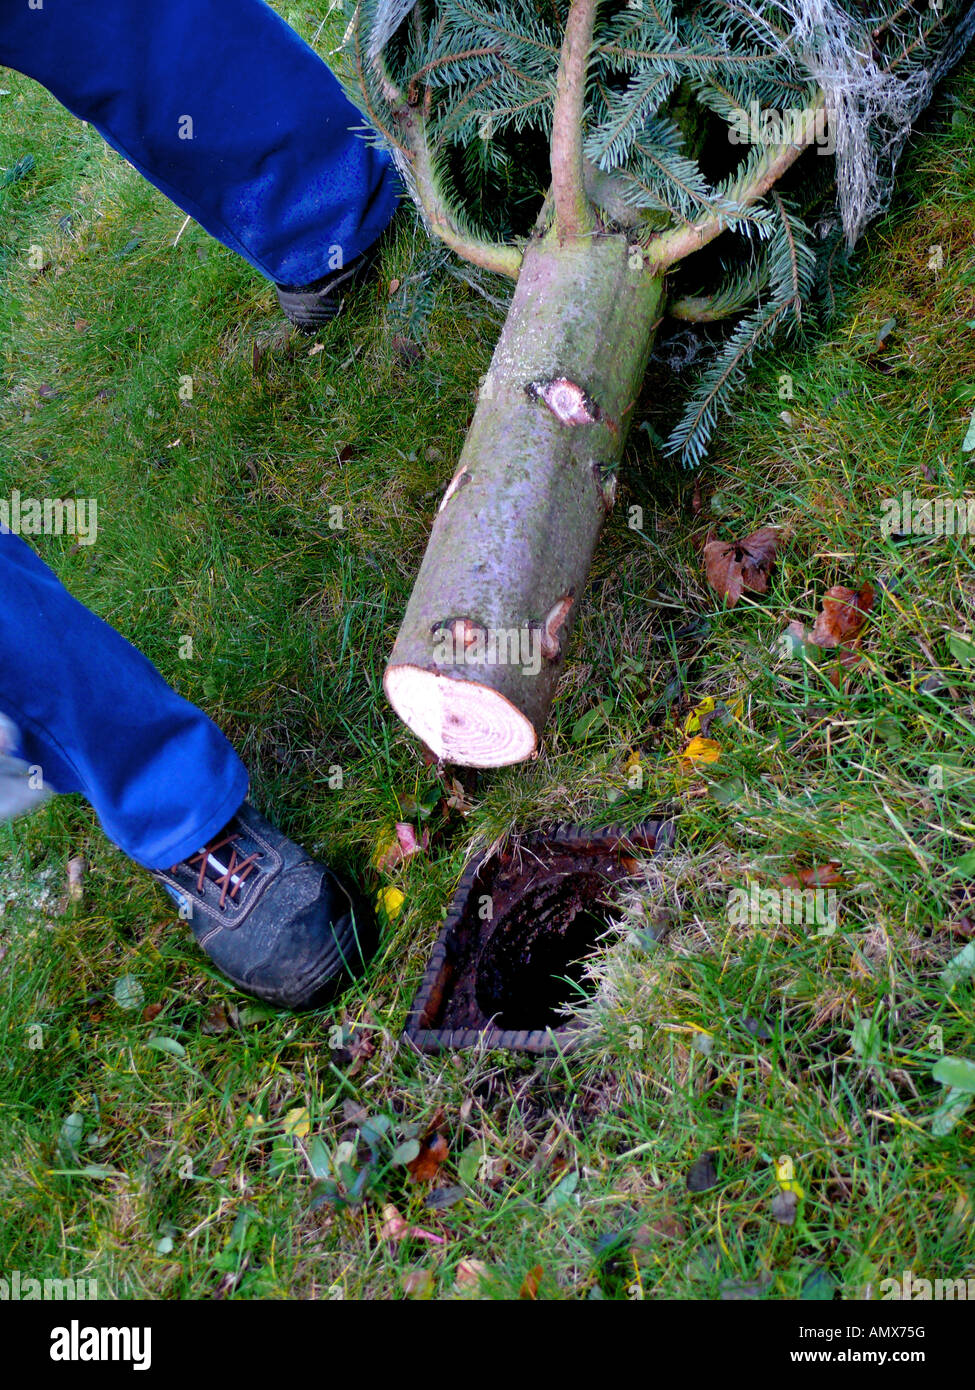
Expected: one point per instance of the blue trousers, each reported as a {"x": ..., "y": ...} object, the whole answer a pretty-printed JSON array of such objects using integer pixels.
[
  {"x": 221, "y": 106},
  {"x": 224, "y": 108},
  {"x": 94, "y": 716}
]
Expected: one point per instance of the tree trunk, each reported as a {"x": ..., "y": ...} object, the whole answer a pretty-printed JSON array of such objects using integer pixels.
[{"x": 483, "y": 641}]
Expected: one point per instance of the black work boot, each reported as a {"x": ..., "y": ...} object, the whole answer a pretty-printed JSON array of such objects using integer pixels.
[
  {"x": 308, "y": 307},
  {"x": 277, "y": 923}
]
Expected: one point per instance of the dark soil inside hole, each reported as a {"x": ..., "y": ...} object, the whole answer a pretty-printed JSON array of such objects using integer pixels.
[
  {"x": 521, "y": 927},
  {"x": 533, "y": 960}
]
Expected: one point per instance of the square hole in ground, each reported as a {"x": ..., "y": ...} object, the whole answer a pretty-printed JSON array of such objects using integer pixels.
[{"x": 513, "y": 947}]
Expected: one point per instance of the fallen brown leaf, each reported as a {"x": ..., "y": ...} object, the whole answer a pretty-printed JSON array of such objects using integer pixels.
[
  {"x": 842, "y": 617},
  {"x": 961, "y": 924},
  {"x": 433, "y": 1150},
  {"x": 417, "y": 1283},
  {"x": 840, "y": 623},
  {"x": 819, "y": 877},
  {"x": 784, "y": 1208},
  {"x": 356, "y": 1052},
  {"x": 530, "y": 1283},
  {"x": 457, "y": 800},
  {"x": 669, "y": 1227},
  {"x": 470, "y": 1273},
  {"x": 426, "y": 1165},
  {"x": 733, "y": 567},
  {"x": 217, "y": 1019},
  {"x": 408, "y": 352},
  {"x": 427, "y": 755}
]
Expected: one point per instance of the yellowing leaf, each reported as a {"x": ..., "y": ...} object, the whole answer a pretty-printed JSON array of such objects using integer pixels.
[
  {"x": 389, "y": 902},
  {"x": 297, "y": 1122},
  {"x": 386, "y": 847},
  {"x": 417, "y": 1283},
  {"x": 692, "y": 725},
  {"x": 701, "y": 750},
  {"x": 785, "y": 1176}
]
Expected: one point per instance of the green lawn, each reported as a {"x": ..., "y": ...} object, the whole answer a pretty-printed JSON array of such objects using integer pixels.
[{"x": 200, "y": 1167}]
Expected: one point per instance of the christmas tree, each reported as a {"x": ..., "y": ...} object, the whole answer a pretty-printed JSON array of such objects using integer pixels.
[{"x": 663, "y": 127}]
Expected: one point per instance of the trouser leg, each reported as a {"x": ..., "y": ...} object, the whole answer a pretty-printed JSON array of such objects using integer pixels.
[
  {"x": 96, "y": 717},
  {"x": 224, "y": 108}
]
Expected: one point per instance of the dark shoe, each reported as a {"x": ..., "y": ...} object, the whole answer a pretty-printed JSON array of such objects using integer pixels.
[
  {"x": 308, "y": 307},
  {"x": 278, "y": 924}
]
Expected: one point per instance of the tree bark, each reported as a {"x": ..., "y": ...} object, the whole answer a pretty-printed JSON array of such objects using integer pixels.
[{"x": 483, "y": 641}]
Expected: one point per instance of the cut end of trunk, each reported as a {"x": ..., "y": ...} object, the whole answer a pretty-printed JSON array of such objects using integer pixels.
[{"x": 461, "y": 721}]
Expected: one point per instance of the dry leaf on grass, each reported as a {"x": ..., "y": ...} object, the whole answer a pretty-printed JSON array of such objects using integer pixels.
[
  {"x": 417, "y": 1283},
  {"x": 530, "y": 1283},
  {"x": 426, "y": 1165},
  {"x": 408, "y": 352},
  {"x": 665, "y": 1227},
  {"x": 700, "y": 750},
  {"x": 394, "y": 1228},
  {"x": 785, "y": 1206},
  {"x": 458, "y": 800},
  {"x": 76, "y": 878},
  {"x": 402, "y": 845},
  {"x": 470, "y": 1274},
  {"x": 963, "y": 928},
  {"x": 843, "y": 614},
  {"x": 354, "y": 1052},
  {"x": 961, "y": 923},
  {"x": 734, "y": 567},
  {"x": 218, "y": 1020},
  {"x": 297, "y": 1122},
  {"x": 840, "y": 622},
  {"x": 819, "y": 877},
  {"x": 433, "y": 1151}
]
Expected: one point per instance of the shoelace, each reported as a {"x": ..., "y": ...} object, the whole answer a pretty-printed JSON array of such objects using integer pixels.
[{"x": 230, "y": 880}]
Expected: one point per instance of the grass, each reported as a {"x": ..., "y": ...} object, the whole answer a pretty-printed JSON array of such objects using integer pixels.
[{"x": 198, "y": 1171}]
